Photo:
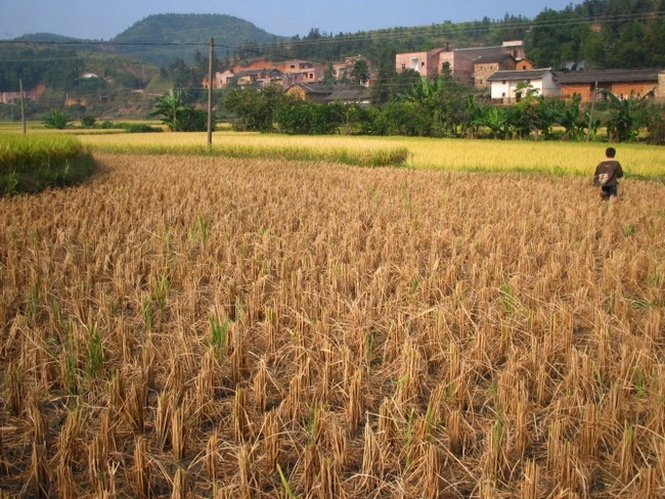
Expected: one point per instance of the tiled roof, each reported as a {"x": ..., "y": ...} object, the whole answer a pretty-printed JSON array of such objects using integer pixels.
[
  {"x": 315, "y": 88},
  {"x": 608, "y": 76},
  {"x": 519, "y": 74},
  {"x": 488, "y": 59},
  {"x": 349, "y": 94},
  {"x": 258, "y": 72}
]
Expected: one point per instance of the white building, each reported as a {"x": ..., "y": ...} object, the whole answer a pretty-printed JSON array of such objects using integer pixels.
[{"x": 503, "y": 84}]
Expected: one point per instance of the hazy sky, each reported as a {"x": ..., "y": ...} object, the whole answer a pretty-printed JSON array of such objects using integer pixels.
[{"x": 102, "y": 20}]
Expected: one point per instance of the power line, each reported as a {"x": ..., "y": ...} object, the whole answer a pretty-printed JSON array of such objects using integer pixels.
[{"x": 444, "y": 29}]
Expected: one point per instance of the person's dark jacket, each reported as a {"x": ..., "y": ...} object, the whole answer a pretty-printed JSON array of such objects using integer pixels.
[{"x": 607, "y": 173}]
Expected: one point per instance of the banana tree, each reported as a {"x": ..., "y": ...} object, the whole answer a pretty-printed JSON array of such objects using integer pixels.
[
  {"x": 623, "y": 124},
  {"x": 170, "y": 106}
]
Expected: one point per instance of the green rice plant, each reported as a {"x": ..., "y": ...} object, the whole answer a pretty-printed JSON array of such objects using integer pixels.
[
  {"x": 628, "y": 230},
  {"x": 200, "y": 231},
  {"x": 95, "y": 350},
  {"x": 370, "y": 342},
  {"x": 161, "y": 292},
  {"x": 34, "y": 299},
  {"x": 507, "y": 299},
  {"x": 641, "y": 383},
  {"x": 70, "y": 377},
  {"x": 148, "y": 315},
  {"x": 285, "y": 483},
  {"x": 219, "y": 332}
]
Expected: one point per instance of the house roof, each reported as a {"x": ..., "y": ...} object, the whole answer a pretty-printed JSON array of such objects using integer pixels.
[
  {"x": 313, "y": 88},
  {"x": 489, "y": 59},
  {"x": 489, "y": 50},
  {"x": 608, "y": 76},
  {"x": 348, "y": 94},
  {"x": 259, "y": 72},
  {"x": 333, "y": 92},
  {"x": 519, "y": 74}
]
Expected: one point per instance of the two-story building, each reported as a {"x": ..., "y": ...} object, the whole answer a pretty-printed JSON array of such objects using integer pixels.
[
  {"x": 486, "y": 66},
  {"x": 427, "y": 64},
  {"x": 460, "y": 62}
]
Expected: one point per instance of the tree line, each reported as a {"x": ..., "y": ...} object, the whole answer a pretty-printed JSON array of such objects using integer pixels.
[
  {"x": 446, "y": 108},
  {"x": 597, "y": 33}
]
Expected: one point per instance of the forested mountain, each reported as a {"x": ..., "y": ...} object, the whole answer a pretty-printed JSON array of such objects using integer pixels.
[
  {"x": 160, "y": 39},
  {"x": 600, "y": 33}
]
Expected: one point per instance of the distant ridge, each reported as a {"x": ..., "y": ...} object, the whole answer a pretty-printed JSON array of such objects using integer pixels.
[
  {"x": 160, "y": 39},
  {"x": 146, "y": 39}
]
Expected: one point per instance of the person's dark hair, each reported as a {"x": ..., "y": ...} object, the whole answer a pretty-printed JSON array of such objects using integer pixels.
[{"x": 610, "y": 152}]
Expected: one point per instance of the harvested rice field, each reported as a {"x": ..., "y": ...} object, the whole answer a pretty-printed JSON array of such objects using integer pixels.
[{"x": 205, "y": 327}]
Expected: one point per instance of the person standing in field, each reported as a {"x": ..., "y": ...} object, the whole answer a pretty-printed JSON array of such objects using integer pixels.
[{"x": 607, "y": 173}]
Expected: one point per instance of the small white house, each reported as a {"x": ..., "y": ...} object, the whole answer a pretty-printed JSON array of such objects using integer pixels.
[{"x": 503, "y": 84}]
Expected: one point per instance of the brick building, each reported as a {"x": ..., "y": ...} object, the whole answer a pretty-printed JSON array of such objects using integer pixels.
[
  {"x": 621, "y": 82},
  {"x": 460, "y": 62}
]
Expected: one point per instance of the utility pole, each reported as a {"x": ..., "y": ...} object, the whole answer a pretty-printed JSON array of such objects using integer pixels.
[
  {"x": 20, "y": 87},
  {"x": 593, "y": 104},
  {"x": 210, "y": 85}
]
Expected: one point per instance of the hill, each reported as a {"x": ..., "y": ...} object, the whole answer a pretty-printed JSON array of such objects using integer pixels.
[{"x": 162, "y": 38}]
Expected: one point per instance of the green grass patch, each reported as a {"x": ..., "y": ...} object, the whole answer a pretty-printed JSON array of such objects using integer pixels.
[{"x": 32, "y": 163}]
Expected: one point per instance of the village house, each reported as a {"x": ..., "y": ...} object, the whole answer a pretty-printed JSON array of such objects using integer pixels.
[
  {"x": 12, "y": 98},
  {"x": 459, "y": 62},
  {"x": 504, "y": 84},
  {"x": 623, "y": 83},
  {"x": 343, "y": 70},
  {"x": 263, "y": 73},
  {"x": 424, "y": 63},
  {"x": 322, "y": 93},
  {"x": 486, "y": 66}
]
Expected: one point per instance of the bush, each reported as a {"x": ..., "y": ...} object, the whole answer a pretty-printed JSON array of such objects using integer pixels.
[
  {"x": 655, "y": 123},
  {"x": 307, "y": 118},
  {"x": 57, "y": 118},
  {"x": 136, "y": 127},
  {"x": 192, "y": 120},
  {"x": 88, "y": 121}
]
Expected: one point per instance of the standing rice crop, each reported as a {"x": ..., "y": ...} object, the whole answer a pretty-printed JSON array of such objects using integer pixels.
[{"x": 30, "y": 163}]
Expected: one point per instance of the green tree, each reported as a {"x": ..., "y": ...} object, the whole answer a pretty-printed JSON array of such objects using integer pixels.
[
  {"x": 572, "y": 118},
  {"x": 623, "y": 123},
  {"x": 255, "y": 109},
  {"x": 309, "y": 118},
  {"x": 360, "y": 72},
  {"x": 497, "y": 121},
  {"x": 57, "y": 118},
  {"x": 192, "y": 119},
  {"x": 404, "y": 118},
  {"x": 170, "y": 106}
]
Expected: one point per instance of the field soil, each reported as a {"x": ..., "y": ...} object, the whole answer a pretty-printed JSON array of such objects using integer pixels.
[{"x": 210, "y": 327}]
